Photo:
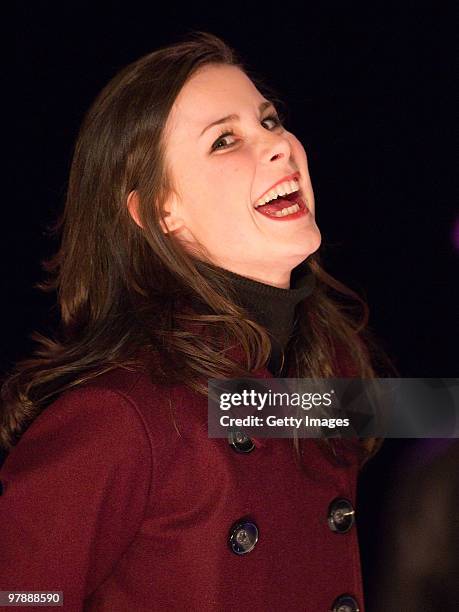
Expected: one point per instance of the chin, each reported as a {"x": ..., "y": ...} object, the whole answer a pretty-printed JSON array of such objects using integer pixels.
[
  {"x": 315, "y": 241},
  {"x": 310, "y": 243}
]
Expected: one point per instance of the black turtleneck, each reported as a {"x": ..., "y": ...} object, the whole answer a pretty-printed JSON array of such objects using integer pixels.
[{"x": 274, "y": 308}]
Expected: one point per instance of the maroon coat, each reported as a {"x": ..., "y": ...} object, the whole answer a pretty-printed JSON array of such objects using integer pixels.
[{"x": 104, "y": 500}]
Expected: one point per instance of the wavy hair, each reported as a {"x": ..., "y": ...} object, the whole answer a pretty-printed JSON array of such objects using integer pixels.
[{"x": 123, "y": 290}]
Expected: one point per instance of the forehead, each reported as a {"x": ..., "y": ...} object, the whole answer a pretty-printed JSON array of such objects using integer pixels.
[{"x": 214, "y": 91}]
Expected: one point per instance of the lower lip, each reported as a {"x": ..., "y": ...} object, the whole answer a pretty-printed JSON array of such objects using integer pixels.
[{"x": 300, "y": 213}]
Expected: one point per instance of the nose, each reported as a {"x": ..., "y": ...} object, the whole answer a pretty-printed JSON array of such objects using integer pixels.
[{"x": 275, "y": 147}]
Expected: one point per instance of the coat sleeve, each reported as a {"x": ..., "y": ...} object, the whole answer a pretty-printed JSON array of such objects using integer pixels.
[{"x": 75, "y": 489}]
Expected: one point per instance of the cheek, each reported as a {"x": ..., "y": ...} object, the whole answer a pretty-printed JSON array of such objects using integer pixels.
[
  {"x": 301, "y": 159},
  {"x": 217, "y": 200},
  {"x": 227, "y": 182},
  {"x": 298, "y": 150}
]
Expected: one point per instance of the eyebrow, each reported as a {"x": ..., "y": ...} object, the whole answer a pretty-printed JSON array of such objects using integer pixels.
[{"x": 264, "y": 105}]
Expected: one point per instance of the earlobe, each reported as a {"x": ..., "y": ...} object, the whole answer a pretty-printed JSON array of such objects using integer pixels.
[
  {"x": 169, "y": 225},
  {"x": 173, "y": 221}
]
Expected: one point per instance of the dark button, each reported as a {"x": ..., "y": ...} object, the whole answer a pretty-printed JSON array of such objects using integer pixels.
[
  {"x": 240, "y": 442},
  {"x": 1, "y": 487},
  {"x": 340, "y": 515},
  {"x": 243, "y": 537},
  {"x": 345, "y": 603}
]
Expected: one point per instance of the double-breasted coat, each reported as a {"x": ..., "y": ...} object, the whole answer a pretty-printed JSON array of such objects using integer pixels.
[{"x": 107, "y": 500}]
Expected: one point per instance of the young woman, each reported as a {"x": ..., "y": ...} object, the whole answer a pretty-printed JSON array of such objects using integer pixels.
[{"x": 174, "y": 269}]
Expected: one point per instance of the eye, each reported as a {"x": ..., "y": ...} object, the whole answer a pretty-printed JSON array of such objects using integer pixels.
[
  {"x": 220, "y": 140},
  {"x": 275, "y": 119}
]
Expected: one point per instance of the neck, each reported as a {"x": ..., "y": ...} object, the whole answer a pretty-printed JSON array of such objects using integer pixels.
[
  {"x": 274, "y": 307},
  {"x": 279, "y": 281},
  {"x": 280, "y": 278}
]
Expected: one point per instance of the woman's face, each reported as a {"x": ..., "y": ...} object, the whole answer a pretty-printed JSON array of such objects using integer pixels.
[{"x": 218, "y": 179}]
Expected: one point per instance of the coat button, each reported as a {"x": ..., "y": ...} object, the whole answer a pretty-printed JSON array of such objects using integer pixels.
[
  {"x": 345, "y": 603},
  {"x": 243, "y": 537},
  {"x": 340, "y": 515},
  {"x": 240, "y": 442}
]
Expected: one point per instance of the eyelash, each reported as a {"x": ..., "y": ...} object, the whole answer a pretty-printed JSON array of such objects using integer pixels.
[{"x": 277, "y": 122}]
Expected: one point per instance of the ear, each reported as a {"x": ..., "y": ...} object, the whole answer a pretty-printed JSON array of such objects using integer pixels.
[
  {"x": 173, "y": 222},
  {"x": 133, "y": 206}
]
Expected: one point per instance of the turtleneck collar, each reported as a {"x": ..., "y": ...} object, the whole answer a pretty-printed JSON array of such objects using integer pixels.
[{"x": 274, "y": 307}]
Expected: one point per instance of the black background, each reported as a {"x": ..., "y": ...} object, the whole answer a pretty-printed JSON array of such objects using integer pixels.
[{"x": 368, "y": 90}]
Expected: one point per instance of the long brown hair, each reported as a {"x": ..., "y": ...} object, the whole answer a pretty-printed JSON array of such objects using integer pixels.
[{"x": 122, "y": 288}]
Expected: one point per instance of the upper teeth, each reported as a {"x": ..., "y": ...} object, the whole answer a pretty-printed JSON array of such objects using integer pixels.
[{"x": 279, "y": 190}]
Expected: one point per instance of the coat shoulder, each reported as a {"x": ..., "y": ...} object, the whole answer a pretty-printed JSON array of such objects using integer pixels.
[
  {"x": 99, "y": 416},
  {"x": 79, "y": 479}
]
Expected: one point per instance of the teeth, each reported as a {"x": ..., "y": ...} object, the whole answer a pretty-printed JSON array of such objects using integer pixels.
[
  {"x": 287, "y": 211},
  {"x": 280, "y": 190}
]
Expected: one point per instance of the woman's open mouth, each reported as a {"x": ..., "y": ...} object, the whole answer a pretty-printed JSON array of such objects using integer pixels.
[{"x": 281, "y": 205}]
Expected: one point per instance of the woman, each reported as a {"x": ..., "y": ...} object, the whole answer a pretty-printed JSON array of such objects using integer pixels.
[{"x": 174, "y": 269}]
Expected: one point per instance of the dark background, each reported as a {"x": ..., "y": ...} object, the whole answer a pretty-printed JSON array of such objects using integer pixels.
[{"x": 368, "y": 90}]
